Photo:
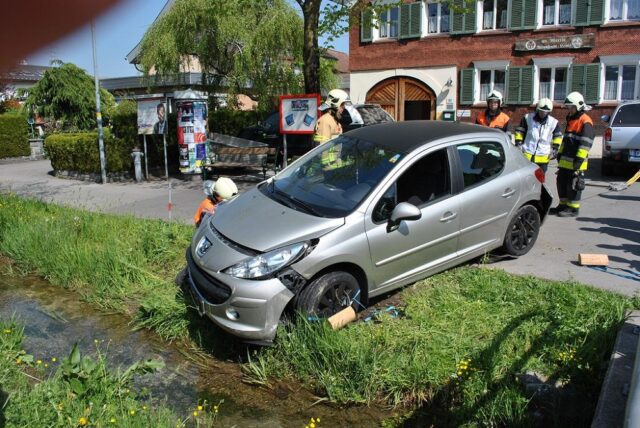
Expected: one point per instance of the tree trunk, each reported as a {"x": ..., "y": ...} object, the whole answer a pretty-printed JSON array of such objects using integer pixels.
[{"x": 310, "y": 51}]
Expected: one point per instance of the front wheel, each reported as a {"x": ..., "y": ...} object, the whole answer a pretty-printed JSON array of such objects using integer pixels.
[
  {"x": 328, "y": 294},
  {"x": 522, "y": 231}
]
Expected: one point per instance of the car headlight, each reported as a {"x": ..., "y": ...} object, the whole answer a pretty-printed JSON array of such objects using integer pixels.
[{"x": 267, "y": 263}]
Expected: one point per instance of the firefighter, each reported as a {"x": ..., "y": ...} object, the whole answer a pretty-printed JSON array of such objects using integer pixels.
[
  {"x": 572, "y": 155},
  {"x": 217, "y": 191},
  {"x": 539, "y": 134},
  {"x": 328, "y": 125},
  {"x": 492, "y": 116}
]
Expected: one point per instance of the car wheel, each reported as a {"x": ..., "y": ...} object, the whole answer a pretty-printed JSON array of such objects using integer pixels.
[
  {"x": 522, "y": 231},
  {"x": 328, "y": 294},
  {"x": 607, "y": 168}
]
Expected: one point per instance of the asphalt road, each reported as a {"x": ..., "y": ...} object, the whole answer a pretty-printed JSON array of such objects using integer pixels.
[{"x": 609, "y": 221}]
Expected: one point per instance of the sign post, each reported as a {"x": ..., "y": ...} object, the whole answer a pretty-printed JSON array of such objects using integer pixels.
[{"x": 298, "y": 115}]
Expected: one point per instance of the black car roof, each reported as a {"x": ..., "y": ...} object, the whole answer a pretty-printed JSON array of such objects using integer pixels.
[{"x": 406, "y": 136}]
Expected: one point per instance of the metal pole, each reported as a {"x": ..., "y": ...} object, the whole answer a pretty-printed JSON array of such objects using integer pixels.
[
  {"x": 146, "y": 164},
  {"x": 166, "y": 162},
  {"x": 284, "y": 146},
  {"x": 103, "y": 168}
]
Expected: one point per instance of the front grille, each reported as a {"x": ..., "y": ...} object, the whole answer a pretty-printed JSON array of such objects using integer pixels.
[{"x": 210, "y": 288}]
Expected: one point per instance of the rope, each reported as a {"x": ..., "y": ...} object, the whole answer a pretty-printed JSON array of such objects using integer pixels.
[{"x": 631, "y": 274}]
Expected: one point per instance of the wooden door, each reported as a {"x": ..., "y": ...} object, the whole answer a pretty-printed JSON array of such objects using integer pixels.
[{"x": 392, "y": 95}]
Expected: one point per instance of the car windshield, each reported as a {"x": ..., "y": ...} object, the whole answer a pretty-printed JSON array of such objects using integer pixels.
[
  {"x": 334, "y": 179},
  {"x": 628, "y": 115}
]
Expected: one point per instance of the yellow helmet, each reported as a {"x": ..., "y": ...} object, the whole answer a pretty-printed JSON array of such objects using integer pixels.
[{"x": 545, "y": 104}]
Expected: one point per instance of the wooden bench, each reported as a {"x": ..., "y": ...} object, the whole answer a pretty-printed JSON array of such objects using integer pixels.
[{"x": 242, "y": 157}]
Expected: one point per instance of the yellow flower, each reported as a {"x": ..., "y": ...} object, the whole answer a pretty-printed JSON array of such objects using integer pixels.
[
  {"x": 144, "y": 407},
  {"x": 82, "y": 421},
  {"x": 19, "y": 360},
  {"x": 195, "y": 413},
  {"x": 200, "y": 408},
  {"x": 112, "y": 420},
  {"x": 7, "y": 331},
  {"x": 54, "y": 359},
  {"x": 95, "y": 340},
  {"x": 132, "y": 412},
  {"x": 312, "y": 425},
  {"x": 46, "y": 365},
  {"x": 60, "y": 406},
  {"x": 39, "y": 362},
  {"x": 318, "y": 420}
]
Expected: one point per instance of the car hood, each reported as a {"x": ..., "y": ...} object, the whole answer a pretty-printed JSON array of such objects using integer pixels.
[{"x": 257, "y": 222}]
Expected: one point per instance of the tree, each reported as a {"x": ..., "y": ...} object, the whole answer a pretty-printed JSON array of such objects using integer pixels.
[{"x": 67, "y": 94}]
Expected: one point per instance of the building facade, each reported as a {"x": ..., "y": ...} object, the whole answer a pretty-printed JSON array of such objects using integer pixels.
[{"x": 431, "y": 60}]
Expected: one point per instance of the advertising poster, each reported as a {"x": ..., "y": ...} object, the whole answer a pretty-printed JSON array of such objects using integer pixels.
[
  {"x": 192, "y": 135},
  {"x": 152, "y": 116},
  {"x": 299, "y": 113}
]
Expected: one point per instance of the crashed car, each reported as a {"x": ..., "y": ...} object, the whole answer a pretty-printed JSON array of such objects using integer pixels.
[{"x": 372, "y": 210}]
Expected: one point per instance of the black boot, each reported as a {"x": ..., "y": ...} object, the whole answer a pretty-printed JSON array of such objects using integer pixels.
[
  {"x": 569, "y": 212},
  {"x": 558, "y": 209}
]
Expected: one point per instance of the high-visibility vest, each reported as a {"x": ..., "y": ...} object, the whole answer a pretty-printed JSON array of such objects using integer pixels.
[
  {"x": 206, "y": 206},
  {"x": 538, "y": 140},
  {"x": 498, "y": 121},
  {"x": 575, "y": 145}
]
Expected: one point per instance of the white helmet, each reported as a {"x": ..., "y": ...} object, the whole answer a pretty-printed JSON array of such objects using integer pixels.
[
  {"x": 336, "y": 97},
  {"x": 225, "y": 188},
  {"x": 545, "y": 104},
  {"x": 575, "y": 99},
  {"x": 495, "y": 95}
]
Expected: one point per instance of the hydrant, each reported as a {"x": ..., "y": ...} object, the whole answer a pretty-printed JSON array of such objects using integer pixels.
[{"x": 136, "y": 154}]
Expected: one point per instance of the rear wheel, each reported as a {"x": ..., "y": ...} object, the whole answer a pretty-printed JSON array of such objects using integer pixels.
[
  {"x": 328, "y": 294},
  {"x": 522, "y": 231}
]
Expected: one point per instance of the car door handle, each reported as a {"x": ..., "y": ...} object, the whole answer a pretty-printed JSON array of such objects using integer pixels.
[
  {"x": 508, "y": 192},
  {"x": 448, "y": 216}
]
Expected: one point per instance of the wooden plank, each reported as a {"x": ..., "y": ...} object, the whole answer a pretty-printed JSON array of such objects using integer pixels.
[
  {"x": 243, "y": 150},
  {"x": 593, "y": 259}
]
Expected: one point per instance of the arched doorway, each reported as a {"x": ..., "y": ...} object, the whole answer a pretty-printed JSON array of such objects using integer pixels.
[{"x": 404, "y": 98}]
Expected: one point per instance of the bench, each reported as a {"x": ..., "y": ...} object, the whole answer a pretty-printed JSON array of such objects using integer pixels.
[{"x": 241, "y": 157}]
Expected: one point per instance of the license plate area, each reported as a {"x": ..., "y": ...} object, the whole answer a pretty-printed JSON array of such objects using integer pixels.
[{"x": 634, "y": 155}]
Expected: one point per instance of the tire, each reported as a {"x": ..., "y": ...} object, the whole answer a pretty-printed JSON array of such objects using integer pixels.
[
  {"x": 328, "y": 294},
  {"x": 522, "y": 231}
]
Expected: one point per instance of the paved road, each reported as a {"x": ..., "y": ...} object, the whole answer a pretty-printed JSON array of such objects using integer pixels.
[{"x": 609, "y": 222}]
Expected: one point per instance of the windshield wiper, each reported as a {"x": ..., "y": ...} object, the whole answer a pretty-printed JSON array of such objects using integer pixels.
[{"x": 293, "y": 202}]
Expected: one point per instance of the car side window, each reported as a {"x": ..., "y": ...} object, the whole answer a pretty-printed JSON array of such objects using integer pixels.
[
  {"x": 627, "y": 115},
  {"x": 425, "y": 181},
  {"x": 480, "y": 162}
]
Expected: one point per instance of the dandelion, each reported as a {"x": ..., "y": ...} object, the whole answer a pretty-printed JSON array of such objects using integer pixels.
[
  {"x": 54, "y": 359},
  {"x": 46, "y": 365},
  {"x": 144, "y": 407},
  {"x": 19, "y": 361},
  {"x": 195, "y": 413},
  {"x": 60, "y": 406},
  {"x": 7, "y": 330},
  {"x": 200, "y": 408},
  {"x": 215, "y": 409},
  {"x": 112, "y": 420},
  {"x": 83, "y": 421},
  {"x": 95, "y": 341},
  {"x": 39, "y": 362},
  {"x": 132, "y": 412}
]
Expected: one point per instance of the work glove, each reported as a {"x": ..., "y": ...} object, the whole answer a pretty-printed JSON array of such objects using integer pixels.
[{"x": 578, "y": 184}]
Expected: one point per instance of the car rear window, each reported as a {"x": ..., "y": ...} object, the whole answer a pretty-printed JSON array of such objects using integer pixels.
[
  {"x": 373, "y": 114},
  {"x": 628, "y": 115}
]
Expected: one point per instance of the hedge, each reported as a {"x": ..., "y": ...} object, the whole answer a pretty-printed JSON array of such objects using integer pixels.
[
  {"x": 80, "y": 152},
  {"x": 231, "y": 122},
  {"x": 14, "y": 136}
]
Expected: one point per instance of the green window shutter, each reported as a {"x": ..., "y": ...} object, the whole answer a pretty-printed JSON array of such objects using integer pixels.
[
  {"x": 366, "y": 27},
  {"x": 520, "y": 85},
  {"x": 592, "y": 83},
  {"x": 463, "y": 23},
  {"x": 577, "y": 78},
  {"x": 466, "y": 86},
  {"x": 410, "y": 20},
  {"x": 589, "y": 12},
  {"x": 523, "y": 14}
]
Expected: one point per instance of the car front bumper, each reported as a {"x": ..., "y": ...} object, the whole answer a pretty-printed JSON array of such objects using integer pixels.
[{"x": 247, "y": 309}]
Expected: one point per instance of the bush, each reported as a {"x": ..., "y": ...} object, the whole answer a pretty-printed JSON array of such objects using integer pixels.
[
  {"x": 80, "y": 152},
  {"x": 231, "y": 122},
  {"x": 10, "y": 105},
  {"x": 14, "y": 136},
  {"x": 124, "y": 119}
]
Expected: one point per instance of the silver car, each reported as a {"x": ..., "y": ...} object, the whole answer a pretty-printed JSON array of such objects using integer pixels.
[{"x": 367, "y": 212}]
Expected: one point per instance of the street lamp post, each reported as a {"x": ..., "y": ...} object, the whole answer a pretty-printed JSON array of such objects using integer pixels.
[{"x": 103, "y": 169}]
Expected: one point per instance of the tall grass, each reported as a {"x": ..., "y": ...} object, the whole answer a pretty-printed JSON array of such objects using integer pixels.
[
  {"x": 119, "y": 263},
  {"x": 464, "y": 337}
]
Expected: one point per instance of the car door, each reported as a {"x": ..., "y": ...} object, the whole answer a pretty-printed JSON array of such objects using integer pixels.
[
  {"x": 415, "y": 247},
  {"x": 489, "y": 191}
]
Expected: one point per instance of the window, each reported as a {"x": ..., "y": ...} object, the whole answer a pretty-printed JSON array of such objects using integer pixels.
[
  {"x": 480, "y": 162},
  {"x": 623, "y": 10},
  {"x": 388, "y": 23},
  {"x": 494, "y": 14},
  {"x": 553, "y": 83},
  {"x": 438, "y": 18},
  {"x": 556, "y": 12},
  {"x": 620, "y": 82},
  {"x": 490, "y": 80},
  {"x": 427, "y": 180},
  {"x": 627, "y": 115}
]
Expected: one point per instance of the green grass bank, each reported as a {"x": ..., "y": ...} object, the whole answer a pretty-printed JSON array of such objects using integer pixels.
[{"x": 453, "y": 358}]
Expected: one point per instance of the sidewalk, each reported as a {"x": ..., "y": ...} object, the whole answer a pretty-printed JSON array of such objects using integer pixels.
[{"x": 609, "y": 222}]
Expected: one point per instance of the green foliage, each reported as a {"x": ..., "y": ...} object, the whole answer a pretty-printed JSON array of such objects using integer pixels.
[
  {"x": 266, "y": 56},
  {"x": 464, "y": 337},
  {"x": 80, "y": 152},
  {"x": 14, "y": 136},
  {"x": 124, "y": 120},
  {"x": 10, "y": 105},
  {"x": 229, "y": 121},
  {"x": 66, "y": 94},
  {"x": 78, "y": 391}
]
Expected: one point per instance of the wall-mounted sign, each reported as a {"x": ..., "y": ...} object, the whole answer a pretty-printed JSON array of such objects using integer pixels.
[
  {"x": 299, "y": 113},
  {"x": 575, "y": 41}
]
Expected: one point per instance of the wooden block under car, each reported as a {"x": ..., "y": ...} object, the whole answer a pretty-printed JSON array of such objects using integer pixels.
[
  {"x": 593, "y": 259},
  {"x": 342, "y": 318}
]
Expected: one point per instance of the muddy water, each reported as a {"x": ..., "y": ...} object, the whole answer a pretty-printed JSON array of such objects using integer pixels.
[{"x": 55, "y": 319}]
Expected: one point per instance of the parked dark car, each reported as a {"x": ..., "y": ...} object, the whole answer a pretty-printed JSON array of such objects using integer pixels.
[{"x": 354, "y": 116}]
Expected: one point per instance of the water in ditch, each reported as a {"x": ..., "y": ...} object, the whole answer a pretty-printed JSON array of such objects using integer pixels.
[{"x": 55, "y": 319}]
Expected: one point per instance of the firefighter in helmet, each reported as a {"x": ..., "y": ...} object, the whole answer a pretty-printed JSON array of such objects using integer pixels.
[
  {"x": 539, "y": 134},
  {"x": 493, "y": 117}
]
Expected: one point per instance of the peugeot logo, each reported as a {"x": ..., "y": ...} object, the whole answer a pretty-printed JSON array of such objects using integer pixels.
[{"x": 203, "y": 246}]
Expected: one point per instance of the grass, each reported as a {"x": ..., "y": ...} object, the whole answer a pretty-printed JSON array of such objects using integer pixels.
[
  {"x": 452, "y": 359},
  {"x": 78, "y": 391}
]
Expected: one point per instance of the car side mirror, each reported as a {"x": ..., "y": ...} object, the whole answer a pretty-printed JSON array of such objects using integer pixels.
[
  {"x": 403, "y": 211},
  {"x": 605, "y": 118}
]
